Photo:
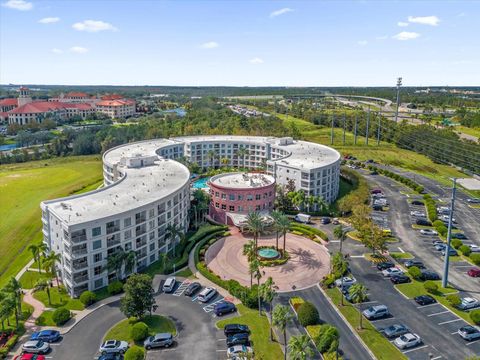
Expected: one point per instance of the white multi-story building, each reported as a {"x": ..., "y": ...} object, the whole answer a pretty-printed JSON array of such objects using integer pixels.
[{"x": 146, "y": 190}]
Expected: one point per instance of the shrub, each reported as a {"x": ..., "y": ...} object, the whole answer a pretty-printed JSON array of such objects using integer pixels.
[
  {"x": 454, "y": 300},
  {"x": 442, "y": 230},
  {"x": 430, "y": 286},
  {"x": 308, "y": 314},
  {"x": 414, "y": 272},
  {"x": 61, "y": 315},
  {"x": 327, "y": 339},
  {"x": 88, "y": 298},
  {"x": 456, "y": 243},
  {"x": 132, "y": 320},
  {"x": 139, "y": 331},
  {"x": 465, "y": 249},
  {"x": 437, "y": 223},
  {"x": 115, "y": 287},
  {"x": 475, "y": 257},
  {"x": 475, "y": 316},
  {"x": 135, "y": 353},
  {"x": 296, "y": 301}
]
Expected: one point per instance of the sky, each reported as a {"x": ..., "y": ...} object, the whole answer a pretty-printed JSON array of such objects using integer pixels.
[{"x": 240, "y": 43}]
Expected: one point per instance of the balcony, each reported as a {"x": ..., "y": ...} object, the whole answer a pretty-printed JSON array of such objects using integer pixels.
[
  {"x": 80, "y": 279},
  {"x": 79, "y": 265}
]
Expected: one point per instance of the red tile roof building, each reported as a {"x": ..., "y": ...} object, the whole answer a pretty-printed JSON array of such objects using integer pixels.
[
  {"x": 37, "y": 111},
  {"x": 117, "y": 108}
]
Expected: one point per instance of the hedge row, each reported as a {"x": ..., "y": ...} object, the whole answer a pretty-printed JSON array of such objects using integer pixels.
[
  {"x": 8, "y": 346},
  {"x": 404, "y": 180},
  {"x": 431, "y": 207},
  {"x": 466, "y": 251},
  {"x": 360, "y": 193},
  {"x": 308, "y": 231}
]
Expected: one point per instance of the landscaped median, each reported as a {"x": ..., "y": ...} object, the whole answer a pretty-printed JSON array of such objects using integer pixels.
[
  {"x": 379, "y": 345},
  {"x": 308, "y": 231}
]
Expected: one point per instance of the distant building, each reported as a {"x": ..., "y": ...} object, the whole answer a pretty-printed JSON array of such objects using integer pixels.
[{"x": 116, "y": 108}]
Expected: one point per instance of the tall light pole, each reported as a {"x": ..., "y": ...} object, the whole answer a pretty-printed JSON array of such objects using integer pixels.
[
  {"x": 399, "y": 83},
  {"x": 449, "y": 236}
]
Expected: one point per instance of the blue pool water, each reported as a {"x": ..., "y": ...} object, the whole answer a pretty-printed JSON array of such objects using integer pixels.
[
  {"x": 179, "y": 111},
  {"x": 8, "y": 147},
  {"x": 200, "y": 183},
  {"x": 268, "y": 253}
]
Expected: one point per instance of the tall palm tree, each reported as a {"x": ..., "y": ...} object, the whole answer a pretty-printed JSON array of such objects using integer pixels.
[
  {"x": 255, "y": 226},
  {"x": 284, "y": 226},
  {"x": 33, "y": 248},
  {"x": 115, "y": 263},
  {"x": 358, "y": 294},
  {"x": 253, "y": 268},
  {"x": 258, "y": 276},
  {"x": 242, "y": 152},
  {"x": 281, "y": 317},
  {"x": 310, "y": 201},
  {"x": 267, "y": 291},
  {"x": 14, "y": 287},
  {"x": 42, "y": 253},
  {"x": 173, "y": 230},
  {"x": 8, "y": 305},
  {"x": 44, "y": 284},
  {"x": 50, "y": 264},
  {"x": 129, "y": 261},
  {"x": 275, "y": 215},
  {"x": 211, "y": 155},
  {"x": 299, "y": 347},
  {"x": 225, "y": 161},
  {"x": 340, "y": 234}
]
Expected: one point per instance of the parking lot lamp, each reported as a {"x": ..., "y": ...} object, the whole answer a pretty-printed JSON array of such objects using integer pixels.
[
  {"x": 399, "y": 83},
  {"x": 449, "y": 236}
]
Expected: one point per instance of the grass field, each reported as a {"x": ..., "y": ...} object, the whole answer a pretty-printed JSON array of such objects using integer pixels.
[
  {"x": 58, "y": 299},
  {"x": 30, "y": 278},
  {"x": 22, "y": 188},
  {"x": 468, "y": 131}
]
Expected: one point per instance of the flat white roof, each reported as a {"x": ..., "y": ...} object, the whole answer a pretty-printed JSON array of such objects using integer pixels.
[{"x": 242, "y": 180}]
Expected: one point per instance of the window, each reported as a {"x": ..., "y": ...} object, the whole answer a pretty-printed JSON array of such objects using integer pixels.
[
  {"x": 96, "y": 231},
  {"x": 231, "y": 197},
  {"x": 97, "y": 270},
  {"x": 128, "y": 246},
  {"x": 97, "y": 244},
  {"x": 231, "y": 208},
  {"x": 217, "y": 205},
  {"x": 224, "y": 207},
  {"x": 98, "y": 283},
  {"x": 224, "y": 196},
  {"x": 151, "y": 213},
  {"x": 140, "y": 217},
  {"x": 97, "y": 257},
  {"x": 258, "y": 196},
  {"x": 249, "y": 197},
  {"x": 240, "y": 208},
  {"x": 113, "y": 226},
  {"x": 128, "y": 234},
  {"x": 152, "y": 258},
  {"x": 127, "y": 222},
  {"x": 240, "y": 197}
]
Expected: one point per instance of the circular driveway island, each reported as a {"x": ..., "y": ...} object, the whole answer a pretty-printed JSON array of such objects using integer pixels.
[{"x": 309, "y": 261}]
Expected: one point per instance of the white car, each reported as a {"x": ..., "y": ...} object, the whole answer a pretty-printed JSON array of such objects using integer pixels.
[
  {"x": 474, "y": 248},
  {"x": 428, "y": 232},
  {"x": 469, "y": 332},
  {"x": 468, "y": 303},
  {"x": 113, "y": 346},
  {"x": 418, "y": 214},
  {"x": 347, "y": 281},
  {"x": 392, "y": 271},
  {"x": 407, "y": 341},
  {"x": 236, "y": 352},
  {"x": 473, "y": 201},
  {"x": 207, "y": 294},
  {"x": 446, "y": 218},
  {"x": 36, "y": 347}
]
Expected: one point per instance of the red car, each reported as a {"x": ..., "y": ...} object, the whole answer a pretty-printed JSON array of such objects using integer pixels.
[
  {"x": 474, "y": 272},
  {"x": 30, "y": 357}
]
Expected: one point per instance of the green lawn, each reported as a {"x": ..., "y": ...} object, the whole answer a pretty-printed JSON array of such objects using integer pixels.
[
  {"x": 29, "y": 278},
  {"x": 400, "y": 255},
  {"x": 184, "y": 273},
  {"x": 45, "y": 319},
  {"x": 378, "y": 344},
  {"x": 468, "y": 130},
  {"x": 24, "y": 186},
  {"x": 58, "y": 300},
  {"x": 155, "y": 323},
  {"x": 262, "y": 346}
]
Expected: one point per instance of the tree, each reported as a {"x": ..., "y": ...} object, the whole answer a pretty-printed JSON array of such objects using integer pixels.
[
  {"x": 174, "y": 231},
  {"x": 138, "y": 297},
  {"x": 211, "y": 155},
  {"x": 61, "y": 315},
  {"x": 284, "y": 227},
  {"x": 242, "y": 152},
  {"x": 254, "y": 224},
  {"x": 253, "y": 268},
  {"x": 44, "y": 285},
  {"x": 251, "y": 254},
  {"x": 358, "y": 294},
  {"x": 414, "y": 272},
  {"x": 299, "y": 347},
  {"x": 276, "y": 215},
  {"x": 258, "y": 276},
  {"x": 267, "y": 292},
  {"x": 115, "y": 263},
  {"x": 33, "y": 248},
  {"x": 281, "y": 317},
  {"x": 14, "y": 287},
  {"x": 129, "y": 261},
  {"x": 8, "y": 305},
  {"x": 50, "y": 264},
  {"x": 340, "y": 234},
  {"x": 308, "y": 314}
]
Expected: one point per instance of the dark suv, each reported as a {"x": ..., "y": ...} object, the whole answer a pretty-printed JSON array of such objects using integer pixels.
[
  {"x": 192, "y": 289},
  {"x": 233, "y": 329},
  {"x": 385, "y": 265},
  {"x": 238, "y": 339},
  {"x": 409, "y": 263},
  {"x": 224, "y": 307},
  {"x": 429, "y": 275},
  {"x": 423, "y": 222}
]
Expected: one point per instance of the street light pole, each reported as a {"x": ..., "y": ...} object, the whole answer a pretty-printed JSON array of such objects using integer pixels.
[
  {"x": 449, "y": 236},
  {"x": 399, "y": 83}
]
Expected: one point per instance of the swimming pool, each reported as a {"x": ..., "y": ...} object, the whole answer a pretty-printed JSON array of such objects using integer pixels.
[{"x": 201, "y": 183}]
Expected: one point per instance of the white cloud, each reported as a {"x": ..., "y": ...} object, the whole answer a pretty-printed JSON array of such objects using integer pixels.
[
  {"x": 93, "y": 26},
  {"x": 49, "y": 20},
  {"x": 78, "y": 49},
  {"x": 424, "y": 20},
  {"x": 362, "y": 42},
  {"x": 406, "y": 35},
  {"x": 280, "y": 12},
  {"x": 57, "y": 51},
  {"x": 210, "y": 45},
  {"x": 256, "y": 60},
  {"x": 18, "y": 5},
  {"x": 402, "y": 24}
]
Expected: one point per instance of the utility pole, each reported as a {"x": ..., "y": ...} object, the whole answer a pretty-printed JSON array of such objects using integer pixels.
[
  {"x": 399, "y": 83},
  {"x": 378, "y": 129},
  {"x": 368, "y": 124},
  {"x": 331, "y": 132},
  {"x": 355, "y": 130},
  {"x": 449, "y": 236},
  {"x": 344, "y": 120}
]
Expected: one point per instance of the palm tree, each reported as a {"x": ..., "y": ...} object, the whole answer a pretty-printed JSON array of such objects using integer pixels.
[
  {"x": 281, "y": 317},
  {"x": 115, "y": 263},
  {"x": 174, "y": 231},
  {"x": 258, "y": 276},
  {"x": 358, "y": 294},
  {"x": 275, "y": 215},
  {"x": 14, "y": 287},
  {"x": 284, "y": 226},
  {"x": 242, "y": 152},
  {"x": 50, "y": 264},
  {"x": 340, "y": 234},
  {"x": 42, "y": 252},
  {"x": 211, "y": 155},
  {"x": 33, "y": 248},
  {"x": 253, "y": 268},
  {"x": 299, "y": 347},
  {"x": 320, "y": 203},
  {"x": 44, "y": 284},
  {"x": 129, "y": 261},
  {"x": 268, "y": 294},
  {"x": 8, "y": 305},
  {"x": 310, "y": 201},
  {"x": 225, "y": 161},
  {"x": 255, "y": 226}
]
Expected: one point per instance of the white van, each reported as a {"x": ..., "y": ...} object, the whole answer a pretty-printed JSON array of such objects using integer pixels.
[
  {"x": 302, "y": 218},
  {"x": 207, "y": 294},
  {"x": 169, "y": 285}
]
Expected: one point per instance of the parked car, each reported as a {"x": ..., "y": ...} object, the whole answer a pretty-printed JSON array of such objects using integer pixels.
[
  {"x": 192, "y": 289},
  {"x": 224, "y": 307},
  {"x": 335, "y": 221},
  {"x": 347, "y": 281},
  {"x": 347, "y": 295},
  {"x": 30, "y": 357},
  {"x": 392, "y": 271},
  {"x": 373, "y": 172},
  {"x": 46, "y": 335},
  {"x": 424, "y": 300},
  {"x": 113, "y": 346},
  {"x": 377, "y": 207},
  {"x": 460, "y": 236},
  {"x": 385, "y": 265},
  {"x": 417, "y": 202},
  {"x": 473, "y": 201},
  {"x": 394, "y": 330},
  {"x": 446, "y": 218},
  {"x": 444, "y": 210},
  {"x": 36, "y": 347},
  {"x": 428, "y": 232},
  {"x": 169, "y": 285},
  {"x": 468, "y": 303},
  {"x": 376, "y": 312},
  {"x": 111, "y": 356},
  {"x": 437, "y": 241},
  {"x": 400, "y": 279},
  {"x": 474, "y": 272},
  {"x": 409, "y": 263},
  {"x": 440, "y": 247},
  {"x": 236, "y": 352},
  {"x": 423, "y": 222},
  {"x": 474, "y": 248},
  {"x": 376, "y": 191},
  {"x": 206, "y": 294},
  {"x": 302, "y": 218},
  {"x": 418, "y": 214},
  {"x": 429, "y": 275},
  {"x": 238, "y": 339},
  {"x": 451, "y": 251},
  {"x": 325, "y": 220},
  {"x": 158, "y": 340},
  {"x": 232, "y": 329},
  {"x": 469, "y": 332},
  {"x": 407, "y": 340}
]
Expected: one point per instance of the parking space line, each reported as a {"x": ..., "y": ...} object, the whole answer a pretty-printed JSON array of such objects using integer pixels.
[
  {"x": 454, "y": 333},
  {"x": 387, "y": 318},
  {"x": 414, "y": 349},
  {"x": 424, "y": 306},
  {"x": 194, "y": 298},
  {"x": 221, "y": 350},
  {"x": 436, "y": 358},
  {"x": 183, "y": 286},
  {"x": 209, "y": 307},
  {"x": 447, "y": 322},
  {"x": 472, "y": 342},
  {"x": 221, "y": 339},
  {"x": 441, "y": 312}
]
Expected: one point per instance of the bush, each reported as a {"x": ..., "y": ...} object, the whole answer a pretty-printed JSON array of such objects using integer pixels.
[
  {"x": 135, "y": 353},
  {"x": 454, "y": 300},
  {"x": 465, "y": 249},
  {"x": 475, "y": 257},
  {"x": 456, "y": 243},
  {"x": 308, "y": 314},
  {"x": 414, "y": 272},
  {"x": 430, "y": 286},
  {"x": 88, "y": 298},
  {"x": 139, "y": 331},
  {"x": 115, "y": 287},
  {"x": 438, "y": 223},
  {"x": 475, "y": 316},
  {"x": 61, "y": 315},
  {"x": 327, "y": 339},
  {"x": 442, "y": 230},
  {"x": 296, "y": 301}
]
